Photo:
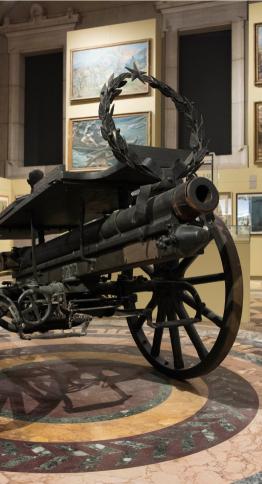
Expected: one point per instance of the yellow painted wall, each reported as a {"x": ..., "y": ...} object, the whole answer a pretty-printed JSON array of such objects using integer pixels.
[
  {"x": 113, "y": 34},
  {"x": 254, "y": 95},
  {"x": 19, "y": 187},
  {"x": 11, "y": 189}
]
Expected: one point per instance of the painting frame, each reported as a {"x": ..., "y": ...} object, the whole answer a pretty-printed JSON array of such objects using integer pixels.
[
  {"x": 258, "y": 132},
  {"x": 258, "y": 61},
  {"x": 251, "y": 195},
  {"x": 70, "y": 165},
  {"x": 144, "y": 89},
  {"x": 227, "y": 216}
]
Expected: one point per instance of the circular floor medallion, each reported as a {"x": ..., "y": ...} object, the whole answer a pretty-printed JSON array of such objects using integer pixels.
[{"x": 77, "y": 408}]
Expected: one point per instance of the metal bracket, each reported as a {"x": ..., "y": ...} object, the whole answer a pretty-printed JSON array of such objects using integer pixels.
[{"x": 81, "y": 231}]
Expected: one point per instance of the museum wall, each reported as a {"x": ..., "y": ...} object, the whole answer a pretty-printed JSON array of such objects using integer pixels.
[
  {"x": 29, "y": 28},
  {"x": 3, "y": 104},
  {"x": 254, "y": 96},
  {"x": 236, "y": 173},
  {"x": 118, "y": 34}
]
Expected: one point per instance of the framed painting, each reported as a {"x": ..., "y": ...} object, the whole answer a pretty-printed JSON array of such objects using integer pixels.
[
  {"x": 224, "y": 208},
  {"x": 258, "y": 54},
  {"x": 91, "y": 68},
  {"x": 89, "y": 151},
  {"x": 258, "y": 132},
  {"x": 249, "y": 212},
  {"x": 4, "y": 201}
]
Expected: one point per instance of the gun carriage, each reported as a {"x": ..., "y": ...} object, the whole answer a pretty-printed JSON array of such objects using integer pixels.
[{"x": 148, "y": 211}]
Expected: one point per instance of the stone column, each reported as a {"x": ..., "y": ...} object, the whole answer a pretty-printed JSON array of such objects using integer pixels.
[
  {"x": 238, "y": 92},
  {"x": 64, "y": 103},
  {"x": 171, "y": 78},
  {"x": 3, "y": 104},
  {"x": 16, "y": 109}
]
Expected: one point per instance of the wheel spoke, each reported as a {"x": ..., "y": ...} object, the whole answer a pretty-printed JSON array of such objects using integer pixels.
[
  {"x": 193, "y": 335},
  {"x": 155, "y": 350},
  {"x": 207, "y": 278},
  {"x": 35, "y": 307},
  {"x": 158, "y": 334},
  {"x": 211, "y": 315},
  {"x": 217, "y": 320},
  {"x": 175, "y": 341},
  {"x": 185, "y": 264}
]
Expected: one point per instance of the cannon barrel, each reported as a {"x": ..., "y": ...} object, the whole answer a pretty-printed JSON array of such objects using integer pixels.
[{"x": 186, "y": 202}]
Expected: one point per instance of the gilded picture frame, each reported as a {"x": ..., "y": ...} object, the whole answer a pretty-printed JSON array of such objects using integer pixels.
[
  {"x": 88, "y": 151},
  {"x": 258, "y": 54},
  {"x": 258, "y": 132},
  {"x": 91, "y": 68}
]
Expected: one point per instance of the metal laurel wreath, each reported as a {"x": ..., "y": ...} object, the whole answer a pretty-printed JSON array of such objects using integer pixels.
[{"x": 117, "y": 143}]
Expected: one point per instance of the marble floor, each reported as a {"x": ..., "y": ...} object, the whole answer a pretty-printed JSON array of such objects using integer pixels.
[{"x": 92, "y": 410}]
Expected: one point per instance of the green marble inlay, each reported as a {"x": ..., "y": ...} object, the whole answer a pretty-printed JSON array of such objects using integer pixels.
[
  {"x": 227, "y": 425},
  {"x": 90, "y": 462},
  {"x": 39, "y": 450},
  {"x": 255, "y": 479},
  {"x": 160, "y": 451},
  {"x": 102, "y": 449},
  {"x": 132, "y": 444},
  {"x": 247, "y": 356},
  {"x": 210, "y": 436},
  {"x": 188, "y": 443},
  {"x": 52, "y": 463},
  {"x": 18, "y": 461},
  {"x": 9, "y": 448}
]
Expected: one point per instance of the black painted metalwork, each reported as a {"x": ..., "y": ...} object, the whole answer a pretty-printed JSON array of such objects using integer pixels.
[{"x": 149, "y": 211}]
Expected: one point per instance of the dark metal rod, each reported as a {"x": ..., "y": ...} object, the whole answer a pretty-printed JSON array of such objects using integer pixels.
[
  {"x": 207, "y": 278},
  {"x": 217, "y": 320}
]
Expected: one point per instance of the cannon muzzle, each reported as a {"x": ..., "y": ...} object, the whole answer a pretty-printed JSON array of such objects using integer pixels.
[{"x": 195, "y": 197}]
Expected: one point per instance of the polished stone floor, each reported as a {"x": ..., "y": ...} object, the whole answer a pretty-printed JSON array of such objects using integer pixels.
[{"x": 91, "y": 410}]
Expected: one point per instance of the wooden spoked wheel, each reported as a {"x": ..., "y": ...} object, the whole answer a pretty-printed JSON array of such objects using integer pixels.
[{"x": 171, "y": 303}]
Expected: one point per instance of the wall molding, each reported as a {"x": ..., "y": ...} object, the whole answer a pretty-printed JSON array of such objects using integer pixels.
[
  {"x": 38, "y": 35},
  {"x": 211, "y": 15}
]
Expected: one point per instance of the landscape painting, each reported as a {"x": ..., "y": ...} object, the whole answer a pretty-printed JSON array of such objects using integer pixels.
[
  {"x": 89, "y": 151},
  {"x": 258, "y": 59},
  {"x": 91, "y": 68}
]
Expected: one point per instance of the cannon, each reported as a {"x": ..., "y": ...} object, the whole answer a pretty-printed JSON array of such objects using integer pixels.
[{"x": 101, "y": 242}]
